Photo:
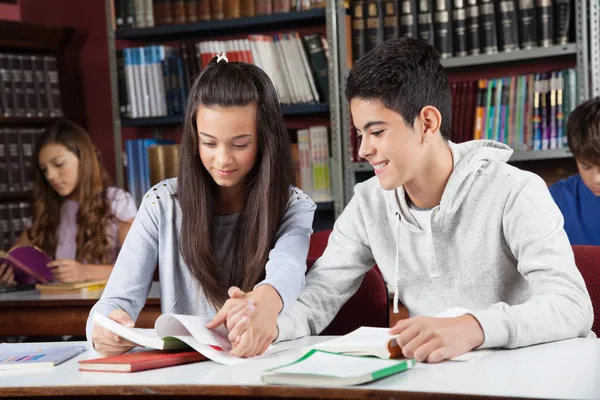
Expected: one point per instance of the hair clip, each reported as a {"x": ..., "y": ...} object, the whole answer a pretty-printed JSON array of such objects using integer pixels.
[{"x": 222, "y": 56}]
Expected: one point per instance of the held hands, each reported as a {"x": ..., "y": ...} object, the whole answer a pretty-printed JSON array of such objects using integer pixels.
[
  {"x": 68, "y": 271},
  {"x": 107, "y": 343},
  {"x": 250, "y": 319},
  {"x": 437, "y": 339}
]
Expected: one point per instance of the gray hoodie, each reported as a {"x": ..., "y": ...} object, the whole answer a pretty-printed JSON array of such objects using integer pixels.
[{"x": 496, "y": 247}]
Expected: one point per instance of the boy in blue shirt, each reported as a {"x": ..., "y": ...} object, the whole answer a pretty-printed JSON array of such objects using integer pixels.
[{"x": 578, "y": 197}]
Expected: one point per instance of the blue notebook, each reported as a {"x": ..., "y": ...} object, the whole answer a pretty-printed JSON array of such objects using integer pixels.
[{"x": 34, "y": 357}]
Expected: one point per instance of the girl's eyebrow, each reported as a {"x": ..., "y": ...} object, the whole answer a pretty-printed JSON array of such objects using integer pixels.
[{"x": 245, "y": 135}]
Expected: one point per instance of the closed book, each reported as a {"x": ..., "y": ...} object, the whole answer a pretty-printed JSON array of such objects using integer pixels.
[
  {"x": 358, "y": 29},
  {"x": 141, "y": 361},
  {"x": 459, "y": 28},
  {"x": 442, "y": 27},
  {"x": 408, "y": 18},
  {"x": 232, "y": 9},
  {"x": 507, "y": 25},
  {"x": 374, "y": 17},
  {"x": 68, "y": 288},
  {"x": 527, "y": 24},
  {"x": 425, "y": 21},
  {"x": 562, "y": 21},
  {"x": 203, "y": 10},
  {"x": 191, "y": 10},
  {"x": 545, "y": 15},
  {"x": 216, "y": 10},
  {"x": 390, "y": 19},
  {"x": 178, "y": 11},
  {"x": 248, "y": 8},
  {"x": 473, "y": 33},
  {"x": 163, "y": 161},
  {"x": 487, "y": 26},
  {"x": 12, "y": 357}
]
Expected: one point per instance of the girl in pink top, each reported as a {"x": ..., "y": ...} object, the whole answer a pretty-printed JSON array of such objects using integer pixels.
[{"x": 77, "y": 217}]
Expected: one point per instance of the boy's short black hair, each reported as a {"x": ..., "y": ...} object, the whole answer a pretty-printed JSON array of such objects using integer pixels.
[
  {"x": 405, "y": 74},
  {"x": 583, "y": 131}
]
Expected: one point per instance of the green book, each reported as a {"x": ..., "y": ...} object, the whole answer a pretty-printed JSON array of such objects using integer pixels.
[{"x": 323, "y": 368}]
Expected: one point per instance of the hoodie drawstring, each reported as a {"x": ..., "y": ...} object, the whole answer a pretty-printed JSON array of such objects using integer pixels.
[{"x": 397, "y": 269}]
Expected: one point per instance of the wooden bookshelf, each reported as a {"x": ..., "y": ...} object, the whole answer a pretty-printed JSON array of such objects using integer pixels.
[
  {"x": 205, "y": 29},
  {"x": 26, "y": 121},
  {"x": 16, "y": 35}
]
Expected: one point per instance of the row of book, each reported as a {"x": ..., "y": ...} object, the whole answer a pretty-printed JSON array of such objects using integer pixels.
[
  {"x": 29, "y": 86},
  {"x": 527, "y": 112},
  {"x": 14, "y": 218},
  {"x": 311, "y": 157},
  {"x": 460, "y": 28},
  {"x": 148, "y": 162},
  {"x": 154, "y": 80},
  {"x": 16, "y": 158},
  {"x": 148, "y": 13}
]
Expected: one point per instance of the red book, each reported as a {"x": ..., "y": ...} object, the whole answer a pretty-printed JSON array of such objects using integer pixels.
[{"x": 141, "y": 361}]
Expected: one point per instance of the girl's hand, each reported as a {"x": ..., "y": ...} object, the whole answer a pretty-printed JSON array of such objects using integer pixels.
[
  {"x": 7, "y": 275},
  {"x": 107, "y": 343},
  {"x": 68, "y": 271},
  {"x": 251, "y": 319}
]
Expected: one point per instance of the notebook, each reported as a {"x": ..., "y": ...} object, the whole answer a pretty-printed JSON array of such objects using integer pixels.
[
  {"x": 141, "y": 361},
  {"x": 322, "y": 368},
  {"x": 37, "y": 357},
  {"x": 88, "y": 287},
  {"x": 377, "y": 342},
  {"x": 29, "y": 263},
  {"x": 176, "y": 331}
]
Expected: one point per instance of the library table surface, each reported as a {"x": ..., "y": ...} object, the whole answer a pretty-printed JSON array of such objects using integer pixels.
[
  {"x": 567, "y": 369},
  {"x": 29, "y": 313}
]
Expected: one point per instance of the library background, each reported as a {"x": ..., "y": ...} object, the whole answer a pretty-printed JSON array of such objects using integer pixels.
[{"x": 122, "y": 68}]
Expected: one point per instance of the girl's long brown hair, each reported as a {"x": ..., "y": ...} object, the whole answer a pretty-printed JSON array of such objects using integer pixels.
[
  {"x": 94, "y": 215},
  {"x": 266, "y": 192}
]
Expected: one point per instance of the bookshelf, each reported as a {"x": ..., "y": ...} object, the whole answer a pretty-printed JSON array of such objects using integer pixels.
[
  {"x": 287, "y": 110},
  {"x": 205, "y": 29},
  {"x": 536, "y": 53},
  {"x": 35, "y": 61},
  {"x": 581, "y": 51},
  {"x": 299, "y": 114}
]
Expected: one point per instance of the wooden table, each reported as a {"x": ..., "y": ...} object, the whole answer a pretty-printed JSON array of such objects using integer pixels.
[
  {"x": 30, "y": 313},
  {"x": 562, "y": 370}
]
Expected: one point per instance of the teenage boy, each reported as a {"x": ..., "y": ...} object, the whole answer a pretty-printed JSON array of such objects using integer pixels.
[{"x": 578, "y": 197}]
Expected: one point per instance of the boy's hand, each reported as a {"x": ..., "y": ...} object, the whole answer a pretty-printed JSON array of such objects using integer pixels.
[
  {"x": 251, "y": 319},
  {"x": 107, "y": 343},
  {"x": 68, "y": 271},
  {"x": 437, "y": 339},
  {"x": 7, "y": 275}
]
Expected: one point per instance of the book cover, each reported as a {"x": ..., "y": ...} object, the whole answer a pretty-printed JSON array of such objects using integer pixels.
[
  {"x": 141, "y": 361},
  {"x": 36, "y": 357},
  {"x": 30, "y": 264}
]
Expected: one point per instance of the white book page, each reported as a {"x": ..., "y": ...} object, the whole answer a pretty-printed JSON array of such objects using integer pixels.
[
  {"x": 325, "y": 364},
  {"x": 140, "y": 336},
  {"x": 178, "y": 324},
  {"x": 359, "y": 341}
]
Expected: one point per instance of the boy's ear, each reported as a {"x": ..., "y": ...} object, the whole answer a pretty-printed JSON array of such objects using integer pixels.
[{"x": 430, "y": 120}]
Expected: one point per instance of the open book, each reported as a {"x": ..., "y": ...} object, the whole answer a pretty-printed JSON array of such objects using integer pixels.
[
  {"x": 176, "y": 331},
  {"x": 29, "y": 263},
  {"x": 369, "y": 341},
  {"x": 318, "y": 368}
]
